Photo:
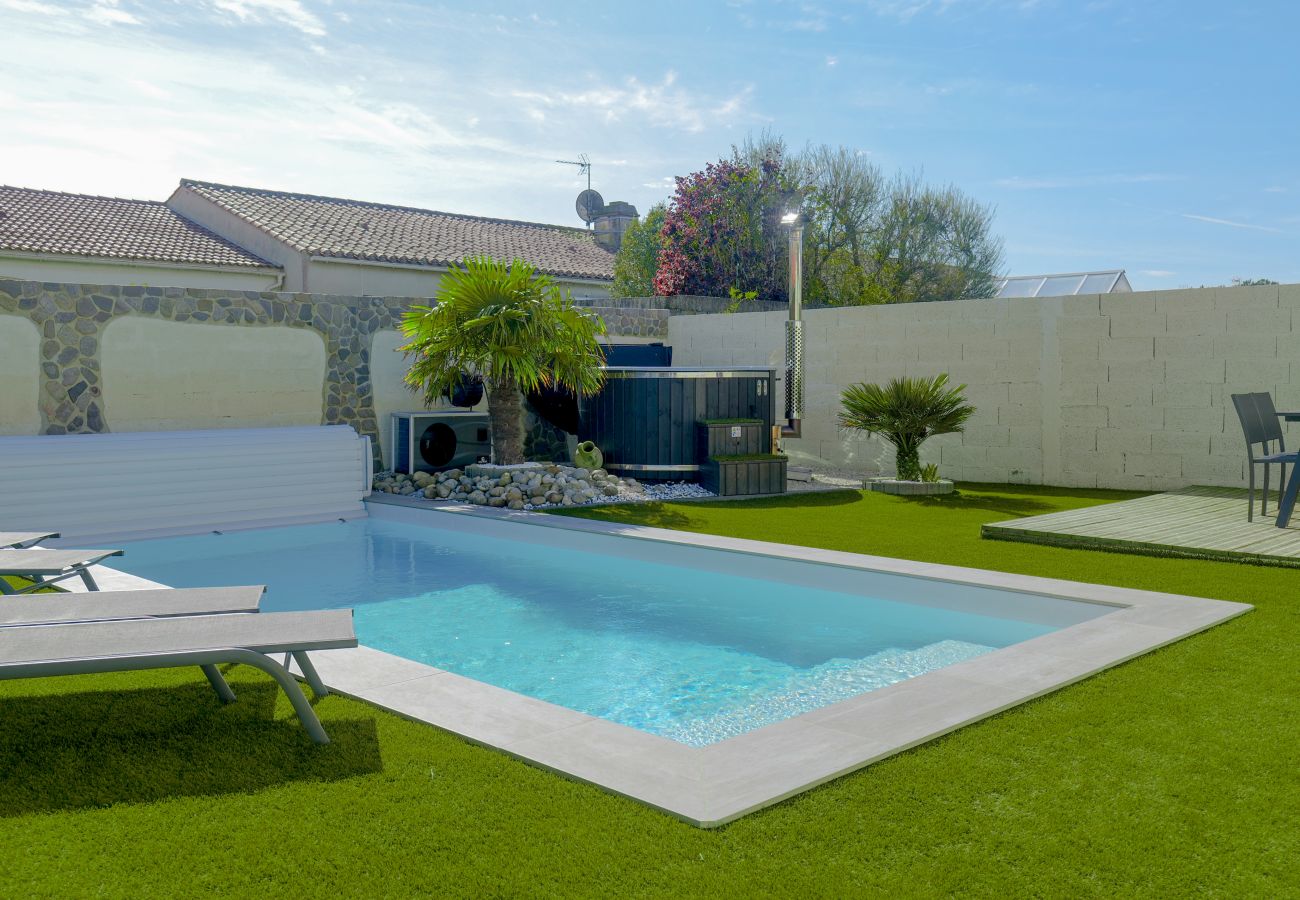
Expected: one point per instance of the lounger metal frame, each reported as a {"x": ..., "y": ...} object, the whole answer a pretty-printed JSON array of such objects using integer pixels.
[
  {"x": 44, "y": 576},
  {"x": 235, "y": 602},
  {"x": 207, "y": 660},
  {"x": 22, "y": 540}
]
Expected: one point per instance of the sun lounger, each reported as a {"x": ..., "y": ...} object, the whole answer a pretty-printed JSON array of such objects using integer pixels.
[
  {"x": 54, "y": 609},
  {"x": 127, "y": 645},
  {"x": 45, "y": 566},
  {"x": 17, "y": 539}
]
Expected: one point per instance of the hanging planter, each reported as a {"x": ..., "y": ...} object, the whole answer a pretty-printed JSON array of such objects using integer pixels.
[{"x": 467, "y": 392}]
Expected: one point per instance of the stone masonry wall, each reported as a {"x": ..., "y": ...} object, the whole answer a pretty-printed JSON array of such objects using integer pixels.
[{"x": 71, "y": 319}]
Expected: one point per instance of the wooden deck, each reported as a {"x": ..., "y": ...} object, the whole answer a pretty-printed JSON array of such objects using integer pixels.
[{"x": 1198, "y": 522}]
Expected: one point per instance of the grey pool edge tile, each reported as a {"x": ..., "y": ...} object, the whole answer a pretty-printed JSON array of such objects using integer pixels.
[
  {"x": 110, "y": 579},
  {"x": 364, "y": 668},
  {"x": 465, "y": 707}
]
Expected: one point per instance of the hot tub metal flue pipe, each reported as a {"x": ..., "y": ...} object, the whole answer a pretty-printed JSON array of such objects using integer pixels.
[{"x": 794, "y": 338}]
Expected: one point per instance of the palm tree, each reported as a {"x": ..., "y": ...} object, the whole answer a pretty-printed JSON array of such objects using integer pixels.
[
  {"x": 513, "y": 326},
  {"x": 906, "y": 412}
]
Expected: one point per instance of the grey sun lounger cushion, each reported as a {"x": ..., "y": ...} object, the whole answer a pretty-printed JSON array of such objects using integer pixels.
[
  {"x": 10, "y": 539},
  {"x": 126, "y": 645},
  {"x": 282, "y": 632},
  {"x": 47, "y": 565},
  {"x": 51, "y": 609}
]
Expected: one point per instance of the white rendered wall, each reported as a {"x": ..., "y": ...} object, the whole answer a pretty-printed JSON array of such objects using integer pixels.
[
  {"x": 90, "y": 272},
  {"x": 19, "y": 385},
  {"x": 390, "y": 394},
  {"x": 1123, "y": 391},
  {"x": 359, "y": 279},
  {"x": 165, "y": 376}
]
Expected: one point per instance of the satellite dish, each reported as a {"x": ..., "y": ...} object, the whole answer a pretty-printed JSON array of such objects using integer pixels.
[{"x": 589, "y": 205}]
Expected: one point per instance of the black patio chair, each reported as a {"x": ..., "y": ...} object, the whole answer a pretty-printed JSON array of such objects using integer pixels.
[{"x": 1260, "y": 425}]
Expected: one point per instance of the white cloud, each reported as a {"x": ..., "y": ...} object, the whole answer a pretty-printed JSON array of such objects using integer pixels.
[
  {"x": 903, "y": 10},
  {"x": 128, "y": 112},
  {"x": 1275, "y": 189},
  {"x": 1216, "y": 221},
  {"x": 149, "y": 88},
  {"x": 106, "y": 12},
  {"x": 662, "y": 104},
  {"x": 814, "y": 23},
  {"x": 832, "y": 61},
  {"x": 1032, "y": 183},
  {"x": 287, "y": 12},
  {"x": 34, "y": 7}
]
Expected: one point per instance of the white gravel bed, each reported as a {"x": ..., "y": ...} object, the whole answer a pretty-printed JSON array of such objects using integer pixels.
[{"x": 532, "y": 486}]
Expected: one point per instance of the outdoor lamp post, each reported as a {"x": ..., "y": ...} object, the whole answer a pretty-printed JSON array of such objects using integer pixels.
[{"x": 794, "y": 330}]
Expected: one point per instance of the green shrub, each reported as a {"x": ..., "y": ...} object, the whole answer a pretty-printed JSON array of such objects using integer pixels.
[{"x": 906, "y": 412}]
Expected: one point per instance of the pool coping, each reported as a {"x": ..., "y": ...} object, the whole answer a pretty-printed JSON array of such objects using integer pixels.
[{"x": 710, "y": 786}]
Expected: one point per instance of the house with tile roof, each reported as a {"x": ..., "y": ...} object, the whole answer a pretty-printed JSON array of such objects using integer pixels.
[
  {"x": 54, "y": 236},
  {"x": 223, "y": 236}
]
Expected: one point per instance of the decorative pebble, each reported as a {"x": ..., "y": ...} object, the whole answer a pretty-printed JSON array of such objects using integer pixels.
[{"x": 533, "y": 486}]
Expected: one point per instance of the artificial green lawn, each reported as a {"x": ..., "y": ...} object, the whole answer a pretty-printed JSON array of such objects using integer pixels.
[{"x": 1173, "y": 775}]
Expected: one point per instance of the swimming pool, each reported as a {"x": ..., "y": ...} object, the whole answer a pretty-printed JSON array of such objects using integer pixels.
[
  {"x": 693, "y": 644},
  {"x": 796, "y": 611}
]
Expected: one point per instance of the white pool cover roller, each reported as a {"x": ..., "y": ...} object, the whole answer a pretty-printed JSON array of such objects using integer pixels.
[{"x": 152, "y": 484}]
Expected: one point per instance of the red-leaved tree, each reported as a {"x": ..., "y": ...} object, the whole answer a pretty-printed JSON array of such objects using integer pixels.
[{"x": 722, "y": 233}]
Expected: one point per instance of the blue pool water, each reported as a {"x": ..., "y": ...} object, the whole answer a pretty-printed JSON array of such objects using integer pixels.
[{"x": 681, "y": 651}]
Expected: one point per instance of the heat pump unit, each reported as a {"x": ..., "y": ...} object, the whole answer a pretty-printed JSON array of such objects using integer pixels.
[{"x": 429, "y": 441}]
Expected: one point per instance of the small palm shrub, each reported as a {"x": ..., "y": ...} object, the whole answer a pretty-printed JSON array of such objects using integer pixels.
[{"x": 906, "y": 412}]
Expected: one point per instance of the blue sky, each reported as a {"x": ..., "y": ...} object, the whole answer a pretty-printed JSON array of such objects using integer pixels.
[{"x": 1161, "y": 137}]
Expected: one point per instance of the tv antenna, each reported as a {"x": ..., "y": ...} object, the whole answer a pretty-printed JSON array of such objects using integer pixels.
[{"x": 586, "y": 197}]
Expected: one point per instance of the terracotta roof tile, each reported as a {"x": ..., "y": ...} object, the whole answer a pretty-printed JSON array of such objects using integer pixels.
[
  {"x": 35, "y": 221},
  {"x": 352, "y": 229}
]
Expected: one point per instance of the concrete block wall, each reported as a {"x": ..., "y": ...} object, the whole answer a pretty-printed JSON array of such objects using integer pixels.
[{"x": 1123, "y": 390}]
